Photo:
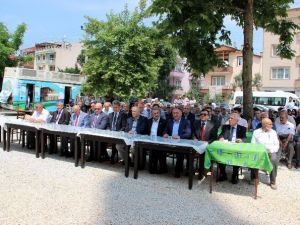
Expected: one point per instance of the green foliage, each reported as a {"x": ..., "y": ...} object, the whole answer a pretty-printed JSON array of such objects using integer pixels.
[
  {"x": 124, "y": 57},
  {"x": 194, "y": 91},
  {"x": 9, "y": 45},
  {"x": 257, "y": 81},
  {"x": 74, "y": 70}
]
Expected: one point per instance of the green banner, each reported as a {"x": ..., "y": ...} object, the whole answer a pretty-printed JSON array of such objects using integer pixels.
[{"x": 249, "y": 155}]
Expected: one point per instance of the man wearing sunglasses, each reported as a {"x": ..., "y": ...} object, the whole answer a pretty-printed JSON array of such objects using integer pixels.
[{"x": 204, "y": 130}]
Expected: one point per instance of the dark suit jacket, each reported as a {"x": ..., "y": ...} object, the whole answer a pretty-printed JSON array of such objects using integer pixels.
[
  {"x": 240, "y": 132},
  {"x": 210, "y": 131},
  {"x": 184, "y": 130},
  {"x": 101, "y": 121},
  {"x": 160, "y": 129},
  {"x": 141, "y": 127},
  {"x": 64, "y": 117},
  {"x": 121, "y": 121}
]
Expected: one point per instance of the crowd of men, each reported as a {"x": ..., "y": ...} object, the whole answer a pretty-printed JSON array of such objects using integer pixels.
[{"x": 278, "y": 134}]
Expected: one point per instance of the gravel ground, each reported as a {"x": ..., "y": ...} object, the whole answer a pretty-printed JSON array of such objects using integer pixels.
[{"x": 53, "y": 191}]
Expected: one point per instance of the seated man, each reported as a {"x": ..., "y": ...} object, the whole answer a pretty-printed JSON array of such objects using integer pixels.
[
  {"x": 40, "y": 115},
  {"x": 235, "y": 133},
  {"x": 60, "y": 116},
  {"x": 156, "y": 127},
  {"x": 268, "y": 137},
  {"x": 286, "y": 132},
  {"x": 178, "y": 128}
]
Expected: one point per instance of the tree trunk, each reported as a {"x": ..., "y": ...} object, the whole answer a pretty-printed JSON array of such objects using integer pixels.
[{"x": 248, "y": 61}]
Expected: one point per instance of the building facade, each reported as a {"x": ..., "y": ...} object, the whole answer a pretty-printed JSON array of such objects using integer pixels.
[
  {"x": 56, "y": 56},
  {"x": 277, "y": 73}
]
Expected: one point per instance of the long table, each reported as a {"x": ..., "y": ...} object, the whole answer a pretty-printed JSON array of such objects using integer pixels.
[
  {"x": 190, "y": 147},
  {"x": 249, "y": 155},
  {"x": 63, "y": 131},
  {"x": 106, "y": 136}
]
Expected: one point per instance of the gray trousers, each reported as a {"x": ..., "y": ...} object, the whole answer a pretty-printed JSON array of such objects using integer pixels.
[
  {"x": 290, "y": 150},
  {"x": 274, "y": 158}
]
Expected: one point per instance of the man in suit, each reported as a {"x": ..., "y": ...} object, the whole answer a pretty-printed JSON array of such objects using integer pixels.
[
  {"x": 116, "y": 122},
  {"x": 136, "y": 124},
  {"x": 60, "y": 116},
  {"x": 235, "y": 133},
  {"x": 204, "y": 130},
  {"x": 156, "y": 127},
  {"x": 99, "y": 120},
  {"x": 178, "y": 128},
  {"x": 78, "y": 119}
]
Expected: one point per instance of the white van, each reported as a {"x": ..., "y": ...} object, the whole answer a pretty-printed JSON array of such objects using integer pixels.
[{"x": 273, "y": 99}]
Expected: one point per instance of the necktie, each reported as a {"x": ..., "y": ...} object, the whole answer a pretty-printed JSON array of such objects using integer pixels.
[
  {"x": 94, "y": 121},
  {"x": 231, "y": 133},
  {"x": 202, "y": 131},
  {"x": 76, "y": 121},
  {"x": 57, "y": 116},
  {"x": 114, "y": 122}
]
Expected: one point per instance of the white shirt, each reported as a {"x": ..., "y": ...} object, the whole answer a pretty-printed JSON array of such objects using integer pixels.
[
  {"x": 269, "y": 139},
  {"x": 285, "y": 129},
  {"x": 290, "y": 105},
  {"x": 44, "y": 115},
  {"x": 175, "y": 128},
  {"x": 154, "y": 127}
]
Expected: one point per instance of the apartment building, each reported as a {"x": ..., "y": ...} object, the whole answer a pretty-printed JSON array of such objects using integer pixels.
[
  {"x": 277, "y": 73},
  {"x": 56, "y": 56},
  {"x": 220, "y": 79}
]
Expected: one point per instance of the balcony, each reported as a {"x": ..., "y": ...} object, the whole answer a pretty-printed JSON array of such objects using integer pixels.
[
  {"x": 221, "y": 70},
  {"x": 42, "y": 75},
  {"x": 175, "y": 74}
]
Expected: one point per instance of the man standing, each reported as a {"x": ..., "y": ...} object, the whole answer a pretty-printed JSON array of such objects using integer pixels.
[
  {"x": 268, "y": 137},
  {"x": 156, "y": 127},
  {"x": 60, "y": 116},
  {"x": 232, "y": 132},
  {"x": 178, "y": 128},
  {"x": 205, "y": 130},
  {"x": 99, "y": 121},
  {"x": 116, "y": 122},
  {"x": 286, "y": 132}
]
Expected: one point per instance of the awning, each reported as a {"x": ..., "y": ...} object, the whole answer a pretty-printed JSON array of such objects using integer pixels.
[{"x": 4, "y": 95}]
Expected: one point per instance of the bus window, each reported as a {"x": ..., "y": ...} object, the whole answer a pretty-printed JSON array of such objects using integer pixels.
[
  {"x": 261, "y": 100},
  {"x": 297, "y": 103}
]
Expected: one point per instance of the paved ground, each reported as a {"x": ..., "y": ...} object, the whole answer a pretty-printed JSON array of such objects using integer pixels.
[{"x": 53, "y": 191}]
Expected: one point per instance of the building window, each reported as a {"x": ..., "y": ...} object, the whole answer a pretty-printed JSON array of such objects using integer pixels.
[
  {"x": 52, "y": 68},
  {"x": 51, "y": 57},
  {"x": 177, "y": 83},
  {"x": 239, "y": 60},
  {"x": 217, "y": 81},
  {"x": 274, "y": 52},
  {"x": 38, "y": 58},
  {"x": 282, "y": 73},
  {"x": 44, "y": 57}
]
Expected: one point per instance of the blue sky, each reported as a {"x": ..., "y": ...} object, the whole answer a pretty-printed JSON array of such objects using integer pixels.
[{"x": 56, "y": 20}]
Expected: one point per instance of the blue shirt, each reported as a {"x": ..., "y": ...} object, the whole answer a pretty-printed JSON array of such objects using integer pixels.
[{"x": 175, "y": 128}]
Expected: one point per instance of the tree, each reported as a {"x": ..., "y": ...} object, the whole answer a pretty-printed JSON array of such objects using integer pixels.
[
  {"x": 257, "y": 81},
  {"x": 74, "y": 70},
  {"x": 238, "y": 82},
  {"x": 123, "y": 55},
  {"x": 198, "y": 27},
  {"x": 9, "y": 45}
]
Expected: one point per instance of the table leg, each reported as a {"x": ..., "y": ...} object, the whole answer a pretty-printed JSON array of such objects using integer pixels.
[
  {"x": 0, "y": 134},
  {"x": 42, "y": 145},
  {"x": 127, "y": 161},
  {"x": 8, "y": 138},
  {"x": 23, "y": 138},
  {"x": 37, "y": 142},
  {"x": 4, "y": 140},
  {"x": 82, "y": 153},
  {"x": 136, "y": 161},
  {"x": 191, "y": 168},
  {"x": 211, "y": 177},
  {"x": 256, "y": 183},
  {"x": 75, "y": 151}
]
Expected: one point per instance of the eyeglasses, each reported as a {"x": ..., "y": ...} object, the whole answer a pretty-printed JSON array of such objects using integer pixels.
[{"x": 203, "y": 114}]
